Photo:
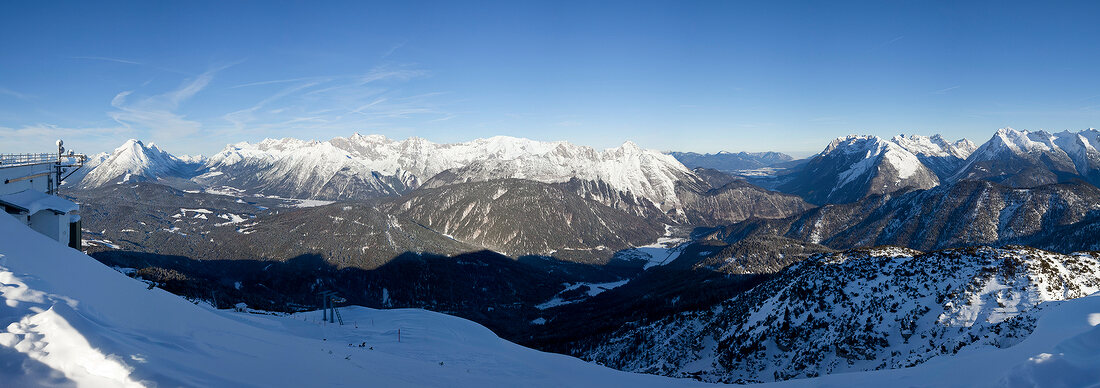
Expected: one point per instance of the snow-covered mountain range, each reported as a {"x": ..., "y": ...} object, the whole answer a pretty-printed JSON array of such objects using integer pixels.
[
  {"x": 1025, "y": 159},
  {"x": 848, "y": 169},
  {"x": 854, "y": 167},
  {"x": 359, "y": 166},
  {"x": 363, "y": 166}
]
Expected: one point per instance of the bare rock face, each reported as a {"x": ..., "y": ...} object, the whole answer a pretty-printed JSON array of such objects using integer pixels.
[
  {"x": 522, "y": 217},
  {"x": 737, "y": 201}
]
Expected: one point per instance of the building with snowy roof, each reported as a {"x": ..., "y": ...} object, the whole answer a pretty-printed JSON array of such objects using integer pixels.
[{"x": 28, "y": 192}]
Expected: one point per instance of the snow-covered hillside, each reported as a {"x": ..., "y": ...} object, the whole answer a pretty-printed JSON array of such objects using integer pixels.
[
  {"x": 1063, "y": 351},
  {"x": 860, "y": 310},
  {"x": 68, "y": 320},
  {"x": 331, "y": 169},
  {"x": 133, "y": 161}
]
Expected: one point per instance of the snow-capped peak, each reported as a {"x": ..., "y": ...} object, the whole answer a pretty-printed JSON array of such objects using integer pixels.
[
  {"x": 854, "y": 166},
  {"x": 846, "y": 143},
  {"x": 1024, "y": 141},
  {"x": 131, "y": 161},
  {"x": 935, "y": 146},
  {"x": 369, "y": 138},
  {"x": 630, "y": 146},
  {"x": 874, "y": 150}
]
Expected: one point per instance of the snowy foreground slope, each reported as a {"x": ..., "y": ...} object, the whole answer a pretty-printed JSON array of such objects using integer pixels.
[
  {"x": 68, "y": 320},
  {"x": 1064, "y": 351},
  {"x": 863, "y": 310}
]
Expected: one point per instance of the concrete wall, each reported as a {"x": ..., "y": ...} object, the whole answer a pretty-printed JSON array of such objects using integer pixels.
[
  {"x": 51, "y": 224},
  {"x": 40, "y": 183}
]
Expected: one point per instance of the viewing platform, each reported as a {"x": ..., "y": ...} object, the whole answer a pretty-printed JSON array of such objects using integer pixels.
[{"x": 14, "y": 160}]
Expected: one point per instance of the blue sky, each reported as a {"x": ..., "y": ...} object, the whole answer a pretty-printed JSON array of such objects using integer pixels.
[{"x": 691, "y": 76}]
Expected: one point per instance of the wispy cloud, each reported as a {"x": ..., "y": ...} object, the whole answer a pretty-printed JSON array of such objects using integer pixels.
[
  {"x": 888, "y": 42},
  {"x": 271, "y": 82},
  {"x": 381, "y": 97},
  {"x": 157, "y": 113},
  {"x": 130, "y": 62},
  {"x": 945, "y": 90},
  {"x": 447, "y": 116},
  {"x": 387, "y": 74},
  {"x": 394, "y": 49},
  {"x": 349, "y": 102},
  {"x": 243, "y": 117},
  {"x": 8, "y": 92},
  {"x": 109, "y": 59}
]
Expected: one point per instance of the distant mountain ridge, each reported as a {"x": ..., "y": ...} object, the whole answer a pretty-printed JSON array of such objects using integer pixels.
[
  {"x": 627, "y": 177},
  {"x": 728, "y": 161},
  {"x": 964, "y": 214},
  {"x": 360, "y": 167},
  {"x": 1026, "y": 159}
]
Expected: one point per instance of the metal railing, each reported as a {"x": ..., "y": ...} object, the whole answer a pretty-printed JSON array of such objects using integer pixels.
[{"x": 12, "y": 160}]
